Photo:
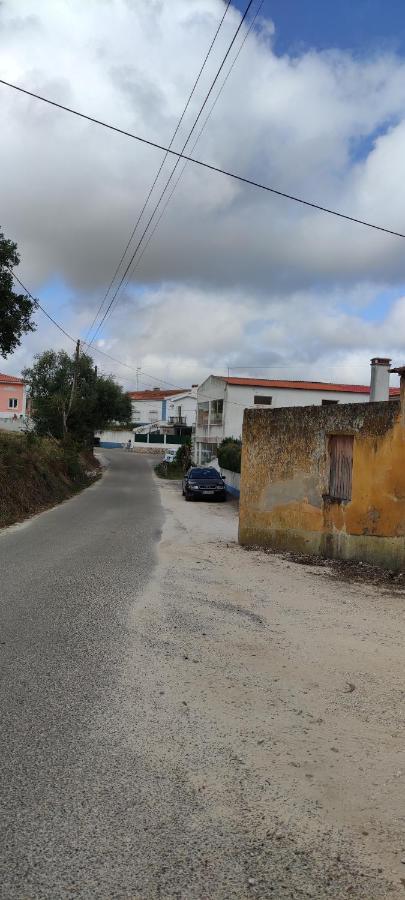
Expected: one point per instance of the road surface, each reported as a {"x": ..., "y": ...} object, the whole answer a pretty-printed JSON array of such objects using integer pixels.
[{"x": 72, "y": 786}]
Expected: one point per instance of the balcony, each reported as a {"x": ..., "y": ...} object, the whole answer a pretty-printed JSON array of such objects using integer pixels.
[
  {"x": 216, "y": 419},
  {"x": 177, "y": 420}
]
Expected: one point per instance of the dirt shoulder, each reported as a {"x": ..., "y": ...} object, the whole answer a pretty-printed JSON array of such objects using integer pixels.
[{"x": 292, "y": 692}]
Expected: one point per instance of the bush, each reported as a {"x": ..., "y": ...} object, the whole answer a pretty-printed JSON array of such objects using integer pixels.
[
  {"x": 183, "y": 456},
  {"x": 229, "y": 454}
]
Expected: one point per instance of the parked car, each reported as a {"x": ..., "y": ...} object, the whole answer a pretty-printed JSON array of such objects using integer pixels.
[
  {"x": 202, "y": 483},
  {"x": 170, "y": 456}
]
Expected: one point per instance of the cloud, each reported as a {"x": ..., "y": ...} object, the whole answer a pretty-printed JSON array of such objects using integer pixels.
[{"x": 232, "y": 275}]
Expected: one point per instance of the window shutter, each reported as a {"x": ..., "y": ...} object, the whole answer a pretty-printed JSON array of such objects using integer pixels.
[{"x": 341, "y": 466}]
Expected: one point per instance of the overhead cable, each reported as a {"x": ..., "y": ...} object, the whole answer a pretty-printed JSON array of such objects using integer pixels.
[
  {"x": 202, "y": 107},
  {"x": 155, "y": 227},
  {"x": 199, "y": 162},
  {"x": 159, "y": 169}
]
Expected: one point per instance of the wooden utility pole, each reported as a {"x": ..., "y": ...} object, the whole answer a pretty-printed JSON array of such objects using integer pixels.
[{"x": 74, "y": 386}]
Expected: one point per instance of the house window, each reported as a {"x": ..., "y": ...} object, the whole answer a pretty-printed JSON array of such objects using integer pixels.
[
  {"x": 202, "y": 414},
  {"x": 207, "y": 453},
  {"x": 261, "y": 399},
  {"x": 340, "y": 466},
  {"x": 12, "y": 403},
  {"x": 153, "y": 415},
  {"x": 217, "y": 408},
  {"x": 329, "y": 402}
]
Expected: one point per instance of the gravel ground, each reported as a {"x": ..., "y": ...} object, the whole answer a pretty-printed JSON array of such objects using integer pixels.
[{"x": 280, "y": 695}]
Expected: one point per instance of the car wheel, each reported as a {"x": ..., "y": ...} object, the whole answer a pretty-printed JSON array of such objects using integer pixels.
[{"x": 187, "y": 497}]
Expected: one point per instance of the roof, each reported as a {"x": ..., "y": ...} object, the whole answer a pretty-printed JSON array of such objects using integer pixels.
[
  {"x": 155, "y": 395},
  {"x": 10, "y": 379},
  {"x": 306, "y": 385}
]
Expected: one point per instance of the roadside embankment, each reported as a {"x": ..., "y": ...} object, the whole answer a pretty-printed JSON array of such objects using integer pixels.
[{"x": 36, "y": 473}]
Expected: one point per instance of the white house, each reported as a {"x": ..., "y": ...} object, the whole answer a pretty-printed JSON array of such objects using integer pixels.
[
  {"x": 221, "y": 402},
  {"x": 164, "y": 407}
]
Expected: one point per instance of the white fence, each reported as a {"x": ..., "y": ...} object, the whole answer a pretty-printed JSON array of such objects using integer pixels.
[
  {"x": 232, "y": 479},
  {"x": 8, "y": 423},
  {"x": 115, "y": 439}
]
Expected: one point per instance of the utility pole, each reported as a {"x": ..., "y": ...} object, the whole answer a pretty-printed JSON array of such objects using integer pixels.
[
  {"x": 74, "y": 386},
  {"x": 138, "y": 372}
]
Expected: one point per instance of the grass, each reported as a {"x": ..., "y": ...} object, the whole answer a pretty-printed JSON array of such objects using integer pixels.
[{"x": 36, "y": 473}]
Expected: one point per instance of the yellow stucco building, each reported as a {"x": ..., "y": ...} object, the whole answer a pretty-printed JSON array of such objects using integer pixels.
[{"x": 327, "y": 480}]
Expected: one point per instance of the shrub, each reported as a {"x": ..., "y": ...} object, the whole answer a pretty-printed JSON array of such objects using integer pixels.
[
  {"x": 229, "y": 454},
  {"x": 183, "y": 456}
]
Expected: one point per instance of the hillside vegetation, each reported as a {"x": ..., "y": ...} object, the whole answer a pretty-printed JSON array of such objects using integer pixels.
[{"x": 38, "y": 472}]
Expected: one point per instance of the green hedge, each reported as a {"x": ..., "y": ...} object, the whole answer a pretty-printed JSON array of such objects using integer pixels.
[{"x": 229, "y": 454}]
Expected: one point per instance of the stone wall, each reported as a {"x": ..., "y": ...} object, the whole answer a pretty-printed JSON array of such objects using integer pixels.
[{"x": 284, "y": 501}]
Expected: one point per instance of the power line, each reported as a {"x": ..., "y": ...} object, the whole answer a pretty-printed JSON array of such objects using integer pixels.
[
  {"x": 204, "y": 165},
  {"x": 150, "y": 236},
  {"x": 39, "y": 306},
  {"x": 75, "y": 340},
  {"x": 159, "y": 169},
  {"x": 103, "y": 353},
  {"x": 173, "y": 170}
]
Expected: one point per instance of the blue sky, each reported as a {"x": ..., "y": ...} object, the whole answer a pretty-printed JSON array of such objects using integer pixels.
[{"x": 358, "y": 25}]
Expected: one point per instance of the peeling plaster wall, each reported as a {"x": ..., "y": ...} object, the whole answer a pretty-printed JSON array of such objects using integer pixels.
[{"x": 285, "y": 482}]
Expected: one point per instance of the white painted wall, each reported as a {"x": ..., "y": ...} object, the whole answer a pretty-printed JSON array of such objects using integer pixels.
[
  {"x": 237, "y": 398},
  {"x": 146, "y": 410},
  {"x": 115, "y": 437},
  {"x": 151, "y": 410},
  {"x": 187, "y": 404},
  {"x": 22, "y": 423}
]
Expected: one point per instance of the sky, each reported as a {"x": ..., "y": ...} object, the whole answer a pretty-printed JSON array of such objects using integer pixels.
[{"x": 233, "y": 278}]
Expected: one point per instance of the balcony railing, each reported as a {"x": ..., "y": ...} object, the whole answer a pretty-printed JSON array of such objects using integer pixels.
[{"x": 177, "y": 420}]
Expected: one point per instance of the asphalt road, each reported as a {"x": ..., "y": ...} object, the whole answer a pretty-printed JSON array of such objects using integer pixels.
[{"x": 72, "y": 784}]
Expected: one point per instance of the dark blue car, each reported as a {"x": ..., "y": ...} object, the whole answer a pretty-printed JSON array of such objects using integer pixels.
[{"x": 204, "y": 484}]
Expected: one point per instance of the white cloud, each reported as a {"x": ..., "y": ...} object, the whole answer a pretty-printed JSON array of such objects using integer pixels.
[{"x": 233, "y": 275}]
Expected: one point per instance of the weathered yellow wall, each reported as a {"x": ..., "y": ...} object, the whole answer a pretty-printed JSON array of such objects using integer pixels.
[{"x": 285, "y": 477}]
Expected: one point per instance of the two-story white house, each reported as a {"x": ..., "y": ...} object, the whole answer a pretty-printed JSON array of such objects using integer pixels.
[
  {"x": 164, "y": 407},
  {"x": 221, "y": 402}
]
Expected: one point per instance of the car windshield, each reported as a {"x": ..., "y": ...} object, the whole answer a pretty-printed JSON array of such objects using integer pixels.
[{"x": 204, "y": 473}]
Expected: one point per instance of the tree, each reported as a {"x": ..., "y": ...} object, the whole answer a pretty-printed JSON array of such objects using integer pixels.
[
  {"x": 70, "y": 399},
  {"x": 15, "y": 309}
]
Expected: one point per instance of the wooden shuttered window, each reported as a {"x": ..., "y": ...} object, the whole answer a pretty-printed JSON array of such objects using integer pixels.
[{"x": 341, "y": 466}]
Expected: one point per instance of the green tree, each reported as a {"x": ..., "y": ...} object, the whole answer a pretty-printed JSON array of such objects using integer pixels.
[
  {"x": 15, "y": 309},
  {"x": 70, "y": 400}
]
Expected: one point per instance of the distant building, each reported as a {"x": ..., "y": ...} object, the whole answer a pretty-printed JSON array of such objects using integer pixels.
[
  {"x": 13, "y": 400},
  {"x": 164, "y": 407},
  {"x": 221, "y": 401}
]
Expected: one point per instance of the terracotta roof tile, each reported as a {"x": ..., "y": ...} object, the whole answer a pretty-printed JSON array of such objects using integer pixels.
[
  {"x": 10, "y": 379},
  {"x": 155, "y": 395},
  {"x": 306, "y": 385}
]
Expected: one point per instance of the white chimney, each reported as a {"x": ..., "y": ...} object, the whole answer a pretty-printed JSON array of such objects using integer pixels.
[{"x": 380, "y": 379}]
